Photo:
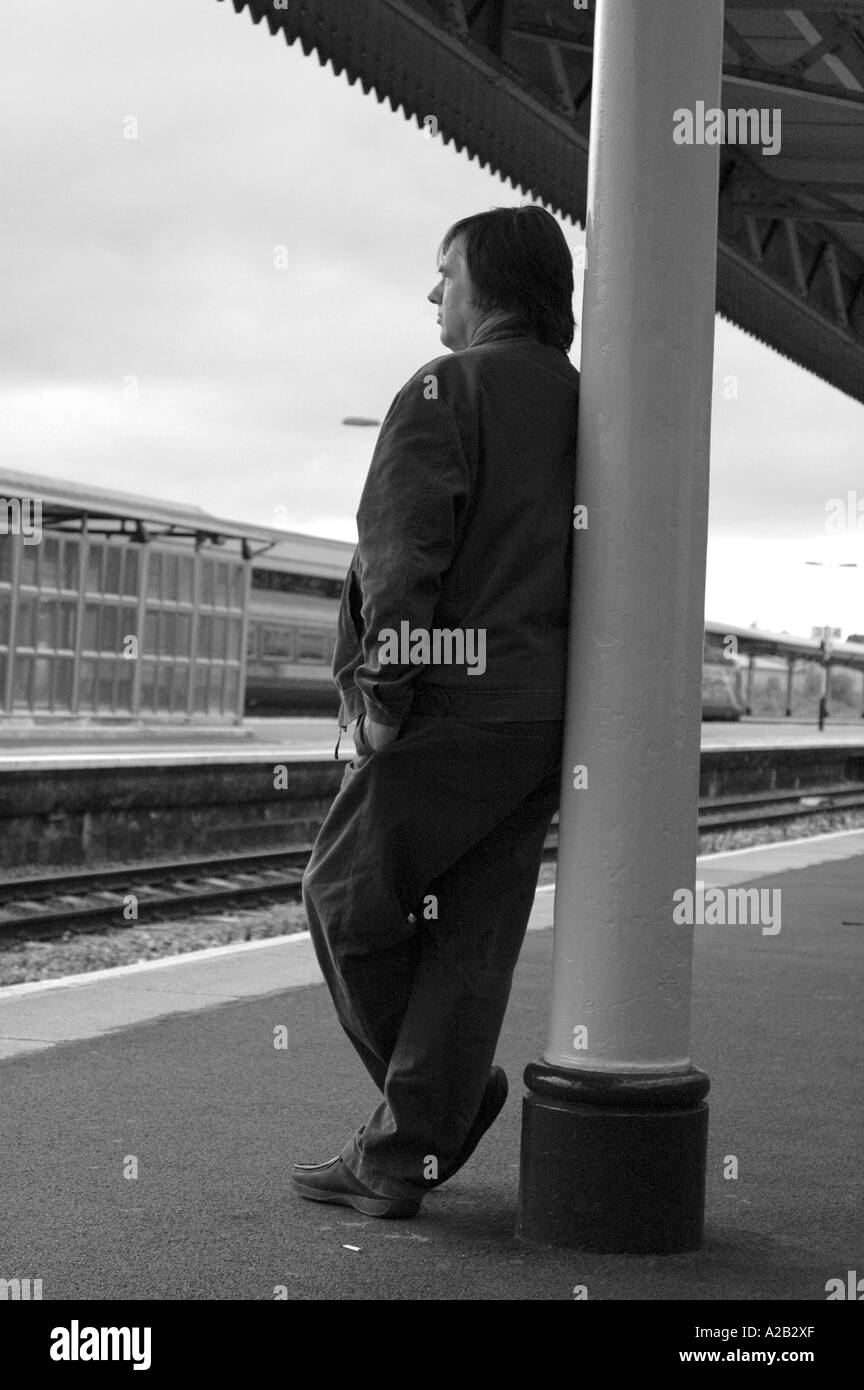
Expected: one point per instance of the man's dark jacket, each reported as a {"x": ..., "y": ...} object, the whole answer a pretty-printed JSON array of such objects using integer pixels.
[{"x": 465, "y": 522}]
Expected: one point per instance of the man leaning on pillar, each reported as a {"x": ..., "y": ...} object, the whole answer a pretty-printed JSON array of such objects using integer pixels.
[{"x": 422, "y": 877}]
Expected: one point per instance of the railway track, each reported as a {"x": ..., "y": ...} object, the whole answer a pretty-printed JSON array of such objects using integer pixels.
[{"x": 83, "y": 897}]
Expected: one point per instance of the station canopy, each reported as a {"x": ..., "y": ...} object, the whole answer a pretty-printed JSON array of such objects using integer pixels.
[
  {"x": 509, "y": 82},
  {"x": 67, "y": 505}
]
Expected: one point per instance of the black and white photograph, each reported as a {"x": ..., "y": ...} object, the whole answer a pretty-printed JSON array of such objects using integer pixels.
[{"x": 431, "y": 673}]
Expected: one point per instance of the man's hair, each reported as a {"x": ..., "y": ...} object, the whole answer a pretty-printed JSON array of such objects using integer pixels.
[{"x": 518, "y": 261}]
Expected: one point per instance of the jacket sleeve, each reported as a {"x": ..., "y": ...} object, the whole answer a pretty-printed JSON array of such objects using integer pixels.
[
  {"x": 348, "y": 650},
  {"x": 408, "y": 522}
]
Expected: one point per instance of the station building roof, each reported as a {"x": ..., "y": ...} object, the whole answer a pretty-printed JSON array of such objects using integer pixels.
[
  {"x": 65, "y": 504},
  {"x": 509, "y": 81},
  {"x": 753, "y": 641}
]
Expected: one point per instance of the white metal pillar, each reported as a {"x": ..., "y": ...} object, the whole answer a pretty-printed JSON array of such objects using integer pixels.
[{"x": 614, "y": 1122}]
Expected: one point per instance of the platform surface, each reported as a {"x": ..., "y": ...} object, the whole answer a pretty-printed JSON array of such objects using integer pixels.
[
  {"x": 173, "y": 1064},
  {"x": 314, "y": 738}
]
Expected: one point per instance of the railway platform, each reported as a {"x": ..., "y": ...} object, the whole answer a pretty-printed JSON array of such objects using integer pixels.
[
  {"x": 314, "y": 736},
  {"x": 141, "y": 799},
  {"x": 152, "y": 1114}
]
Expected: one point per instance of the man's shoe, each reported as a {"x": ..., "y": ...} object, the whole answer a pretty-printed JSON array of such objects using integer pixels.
[
  {"x": 333, "y": 1182},
  {"x": 490, "y": 1108}
]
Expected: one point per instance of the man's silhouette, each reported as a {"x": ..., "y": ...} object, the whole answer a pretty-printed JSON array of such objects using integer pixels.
[{"x": 422, "y": 877}]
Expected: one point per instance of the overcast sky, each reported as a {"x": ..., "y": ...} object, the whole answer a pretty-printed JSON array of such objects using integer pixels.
[{"x": 150, "y": 343}]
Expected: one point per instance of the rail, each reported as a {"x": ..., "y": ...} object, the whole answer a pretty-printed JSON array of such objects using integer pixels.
[{"x": 47, "y": 903}]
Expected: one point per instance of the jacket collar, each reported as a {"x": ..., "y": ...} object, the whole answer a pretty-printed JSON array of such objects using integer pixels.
[{"x": 499, "y": 331}]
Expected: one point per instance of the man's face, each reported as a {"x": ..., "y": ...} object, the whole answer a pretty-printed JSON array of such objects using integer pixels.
[{"x": 456, "y": 314}]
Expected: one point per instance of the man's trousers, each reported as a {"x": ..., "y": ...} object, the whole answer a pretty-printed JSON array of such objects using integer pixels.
[{"x": 446, "y": 827}]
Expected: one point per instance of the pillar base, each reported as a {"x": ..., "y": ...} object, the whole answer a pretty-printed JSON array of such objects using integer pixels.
[{"x": 613, "y": 1164}]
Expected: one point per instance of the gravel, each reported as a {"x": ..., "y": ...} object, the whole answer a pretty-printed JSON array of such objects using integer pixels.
[{"x": 75, "y": 953}]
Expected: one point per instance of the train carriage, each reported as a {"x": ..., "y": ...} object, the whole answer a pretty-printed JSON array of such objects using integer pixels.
[{"x": 292, "y": 631}]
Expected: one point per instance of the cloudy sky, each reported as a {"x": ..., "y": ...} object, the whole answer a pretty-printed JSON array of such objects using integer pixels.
[{"x": 150, "y": 342}]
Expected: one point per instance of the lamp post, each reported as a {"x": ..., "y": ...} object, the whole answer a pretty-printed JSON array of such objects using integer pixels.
[{"x": 826, "y": 639}]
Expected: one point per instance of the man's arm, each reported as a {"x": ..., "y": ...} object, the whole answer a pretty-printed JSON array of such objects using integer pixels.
[{"x": 408, "y": 521}]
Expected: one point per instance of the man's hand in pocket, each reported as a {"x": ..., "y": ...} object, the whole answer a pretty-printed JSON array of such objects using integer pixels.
[{"x": 371, "y": 737}]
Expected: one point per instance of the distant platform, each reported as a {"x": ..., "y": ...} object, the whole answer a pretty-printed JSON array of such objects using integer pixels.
[
  {"x": 313, "y": 738},
  {"x": 780, "y": 733},
  {"x": 256, "y": 740}
]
